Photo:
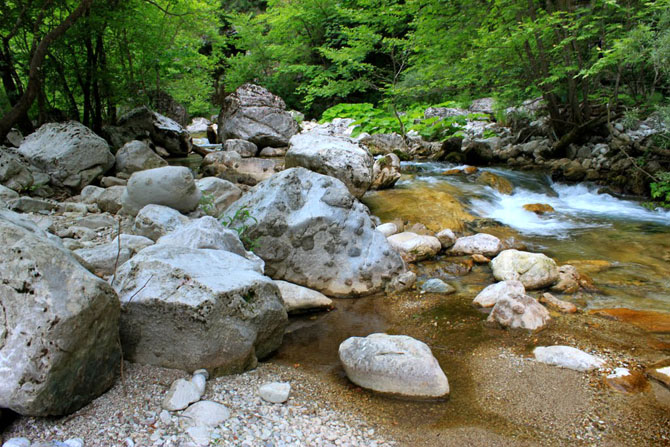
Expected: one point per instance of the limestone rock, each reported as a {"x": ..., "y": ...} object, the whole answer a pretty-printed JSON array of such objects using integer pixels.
[
  {"x": 385, "y": 172},
  {"x": 402, "y": 282},
  {"x": 534, "y": 270},
  {"x": 311, "y": 231},
  {"x": 447, "y": 238},
  {"x": 568, "y": 280},
  {"x": 16, "y": 172},
  {"x": 232, "y": 167},
  {"x": 414, "y": 247},
  {"x": 102, "y": 259},
  {"x": 189, "y": 308},
  {"x": 382, "y": 144},
  {"x": 301, "y": 299},
  {"x": 70, "y": 153},
  {"x": 59, "y": 325},
  {"x": 519, "y": 312},
  {"x": 171, "y": 186},
  {"x": 254, "y": 114},
  {"x": 567, "y": 357},
  {"x": 181, "y": 394},
  {"x": 558, "y": 305},
  {"x": 394, "y": 364},
  {"x": 107, "y": 199},
  {"x": 246, "y": 149},
  {"x": 387, "y": 229},
  {"x": 217, "y": 194},
  {"x": 154, "y": 221},
  {"x": 276, "y": 392},
  {"x": 436, "y": 285},
  {"x": 137, "y": 156},
  {"x": 205, "y": 414},
  {"x": 481, "y": 243},
  {"x": 338, "y": 157},
  {"x": 491, "y": 294}
]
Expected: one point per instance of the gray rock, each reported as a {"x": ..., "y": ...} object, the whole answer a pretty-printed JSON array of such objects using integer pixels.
[
  {"x": 447, "y": 238},
  {"x": 483, "y": 105},
  {"x": 299, "y": 299},
  {"x": 338, "y": 157},
  {"x": 273, "y": 152},
  {"x": 181, "y": 394},
  {"x": 27, "y": 204},
  {"x": 137, "y": 156},
  {"x": 17, "y": 442},
  {"x": 96, "y": 221},
  {"x": 311, "y": 231},
  {"x": 171, "y": 186},
  {"x": 275, "y": 392},
  {"x": 436, "y": 285},
  {"x": 246, "y": 149},
  {"x": 102, "y": 259},
  {"x": 217, "y": 194},
  {"x": 198, "y": 125},
  {"x": 16, "y": 172},
  {"x": 387, "y": 229},
  {"x": 414, "y": 247},
  {"x": 402, "y": 282},
  {"x": 491, "y": 294},
  {"x": 444, "y": 112},
  {"x": 107, "y": 199},
  {"x": 534, "y": 270},
  {"x": 59, "y": 325},
  {"x": 394, "y": 364},
  {"x": 232, "y": 167},
  {"x": 15, "y": 137},
  {"x": 385, "y": 172},
  {"x": 191, "y": 308},
  {"x": 154, "y": 221},
  {"x": 382, "y": 144},
  {"x": 519, "y": 312},
  {"x": 106, "y": 182},
  {"x": 567, "y": 357},
  {"x": 205, "y": 414},
  {"x": 254, "y": 114},
  {"x": 481, "y": 243},
  {"x": 7, "y": 193},
  {"x": 74, "y": 442},
  {"x": 70, "y": 153},
  {"x": 141, "y": 124}
]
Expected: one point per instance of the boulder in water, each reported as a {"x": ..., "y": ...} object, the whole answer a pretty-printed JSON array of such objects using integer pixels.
[
  {"x": 534, "y": 270},
  {"x": 481, "y": 243},
  {"x": 414, "y": 247},
  {"x": 491, "y": 294}
]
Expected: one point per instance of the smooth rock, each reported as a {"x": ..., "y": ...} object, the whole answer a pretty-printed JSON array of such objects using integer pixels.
[
  {"x": 299, "y": 299},
  {"x": 7, "y": 194},
  {"x": 205, "y": 414},
  {"x": 436, "y": 285},
  {"x": 338, "y": 157},
  {"x": 171, "y": 186},
  {"x": 534, "y": 270},
  {"x": 182, "y": 393},
  {"x": 567, "y": 357},
  {"x": 311, "y": 231},
  {"x": 447, "y": 238},
  {"x": 189, "y": 308},
  {"x": 500, "y": 184},
  {"x": 217, "y": 195},
  {"x": 402, "y": 282},
  {"x": 539, "y": 208},
  {"x": 385, "y": 172},
  {"x": 414, "y": 247},
  {"x": 568, "y": 280},
  {"x": 254, "y": 114},
  {"x": 519, "y": 312},
  {"x": 58, "y": 324},
  {"x": 137, "y": 156},
  {"x": 276, "y": 392},
  {"x": 232, "y": 167},
  {"x": 491, "y": 294},
  {"x": 200, "y": 380},
  {"x": 481, "y": 243},
  {"x": 154, "y": 221},
  {"x": 273, "y": 152},
  {"x": 74, "y": 442},
  {"x": 70, "y": 153},
  {"x": 394, "y": 364},
  {"x": 17, "y": 442},
  {"x": 246, "y": 149},
  {"x": 387, "y": 229},
  {"x": 558, "y": 305},
  {"x": 107, "y": 199},
  {"x": 102, "y": 259}
]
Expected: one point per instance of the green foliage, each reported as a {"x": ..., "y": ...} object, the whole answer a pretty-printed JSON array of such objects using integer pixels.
[
  {"x": 239, "y": 222},
  {"x": 660, "y": 189},
  {"x": 206, "y": 204}
]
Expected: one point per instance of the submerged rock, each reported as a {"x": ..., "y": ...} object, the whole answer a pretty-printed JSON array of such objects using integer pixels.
[
  {"x": 59, "y": 345},
  {"x": 558, "y": 305},
  {"x": 189, "y": 308},
  {"x": 567, "y": 357},
  {"x": 394, "y": 364},
  {"x": 534, "y": 270},
  {"x": 491, "y": 294},
  {"x": 311, "y": 231},
  {"x": 436, "y": 285},
  {"x": 500, "y": 184}
]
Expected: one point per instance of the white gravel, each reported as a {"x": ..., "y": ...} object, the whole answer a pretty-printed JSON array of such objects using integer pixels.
[{"x": 130, "y": 415}]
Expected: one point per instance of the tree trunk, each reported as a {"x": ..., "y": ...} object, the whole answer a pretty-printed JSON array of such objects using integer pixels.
[{"x": 21, "y": 107}]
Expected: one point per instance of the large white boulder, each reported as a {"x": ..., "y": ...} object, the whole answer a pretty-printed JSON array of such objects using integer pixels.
[
  {"x": 567, "y": 357},
  {"x": 189, "y": 308},
  {"x": 59, "y": 345},
  {"x": 394, "y": 364},
  {"x": 519, "y": 312},
  {"x": 72, "y": 154},
  {"x": 534, "y": 270},
  {"x": 491, "y": 294},
  {"x": 254, "y": 114},
  {"x": 171, "y": 186},
  {"x": 311, "y": 231},
  {"x": 338, "y": 157},
  {"x": 414, "y": 247}
]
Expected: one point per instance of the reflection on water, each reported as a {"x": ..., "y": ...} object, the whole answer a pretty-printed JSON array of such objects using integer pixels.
[{"x": 585, "y": 226}]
